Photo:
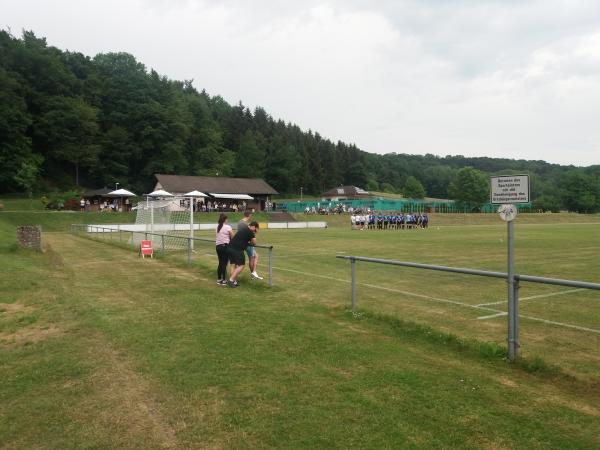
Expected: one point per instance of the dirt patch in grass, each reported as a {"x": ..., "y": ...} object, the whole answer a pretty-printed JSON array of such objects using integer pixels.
[
  {"x": 56, "y": 260},
  {"x": 128, "y": 407},
  {"x": 574, "y": 405},
  {"x": 183, "y": 274},
  {"x": 10, "y": 309},
  {"x": 507, "y": 382},
  {"x": 133, "y": 408},
  {"x": 352, "y": 327},
  {"x": 29, "y": 335}
]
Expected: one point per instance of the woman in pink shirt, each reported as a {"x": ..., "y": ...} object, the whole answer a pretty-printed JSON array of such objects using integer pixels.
[{"x": 223, "y": 236}]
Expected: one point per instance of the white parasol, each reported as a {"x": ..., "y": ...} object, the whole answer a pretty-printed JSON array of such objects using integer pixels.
[
  {"x": 160, "y": 193},
  {"x": 121, "y": 193},
  {"x": 195, "y": 194}
]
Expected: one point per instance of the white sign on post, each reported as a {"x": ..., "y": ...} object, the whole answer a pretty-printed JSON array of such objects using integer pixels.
[{"x": 509, "y": 189}]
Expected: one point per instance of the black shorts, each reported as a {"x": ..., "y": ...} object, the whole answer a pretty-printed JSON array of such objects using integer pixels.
[{"x": 236, "y": 257}]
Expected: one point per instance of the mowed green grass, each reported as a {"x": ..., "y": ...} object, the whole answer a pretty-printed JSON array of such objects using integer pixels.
[
  {"x": 552, "y": 317},
  {"x": 101, "y": 349}
]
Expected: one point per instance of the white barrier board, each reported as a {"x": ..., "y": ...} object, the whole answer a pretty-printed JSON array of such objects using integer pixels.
[
  {"x": 317, "y": 224},
  {"x": 275, "y": 225},
  {"x": 158, "y": 228}
]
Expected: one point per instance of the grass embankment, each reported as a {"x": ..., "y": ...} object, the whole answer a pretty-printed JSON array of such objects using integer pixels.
[{"x": 101, "y": 349}]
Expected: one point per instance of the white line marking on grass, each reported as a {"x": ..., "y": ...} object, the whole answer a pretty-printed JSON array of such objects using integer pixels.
[
  {"x": 492, "y": 316},
  {"x": 557, "y": 224},
  {"x": 561, "y": 324},
  {"x": 492, "y": 303},
  {"x": 312, "y": 274},
  {"x": 427, "y": 297},
  {"x": 302, "y": 255},
  {"x": 443, "y": 300},
  {"x": 532, "y": 297},
  {"x": 412, "y": 294}
]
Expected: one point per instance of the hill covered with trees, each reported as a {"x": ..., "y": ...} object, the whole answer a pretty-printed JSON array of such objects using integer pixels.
[{"x": 69, "y": 120}]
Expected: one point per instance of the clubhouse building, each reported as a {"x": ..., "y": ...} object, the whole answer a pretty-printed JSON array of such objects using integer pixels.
[{"x": 256, "y": 193}]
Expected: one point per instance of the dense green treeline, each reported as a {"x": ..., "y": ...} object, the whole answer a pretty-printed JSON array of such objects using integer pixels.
[{"x": 69, "y": 120}]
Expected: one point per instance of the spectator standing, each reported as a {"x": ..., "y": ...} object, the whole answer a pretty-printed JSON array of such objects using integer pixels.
[
  {"x": 223, "y": 237},
  {"x": 250, "y": 250},
  {"x": 244, "y": 238}
]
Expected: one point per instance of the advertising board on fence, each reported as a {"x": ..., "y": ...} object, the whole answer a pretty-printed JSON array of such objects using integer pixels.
[{"x": 509, "y": 189}]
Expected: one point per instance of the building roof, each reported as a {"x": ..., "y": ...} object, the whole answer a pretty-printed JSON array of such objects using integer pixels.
[
  {"x": 181, "y": 183},
  {"x": 345, "y": 191},
  {"x": 98, "y": 192}
]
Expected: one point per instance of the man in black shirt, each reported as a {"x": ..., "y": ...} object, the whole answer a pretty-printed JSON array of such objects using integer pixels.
[{"x": 241, "y": 240}]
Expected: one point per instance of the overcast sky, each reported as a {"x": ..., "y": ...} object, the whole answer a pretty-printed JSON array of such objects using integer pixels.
[{"x": 506, "y": 78}]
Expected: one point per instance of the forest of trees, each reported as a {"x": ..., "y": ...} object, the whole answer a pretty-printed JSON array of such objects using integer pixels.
[{"x": 68, "y": 121}]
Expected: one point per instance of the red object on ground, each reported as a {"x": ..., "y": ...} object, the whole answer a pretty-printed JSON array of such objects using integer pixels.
[{"x": 146, "y": 248}]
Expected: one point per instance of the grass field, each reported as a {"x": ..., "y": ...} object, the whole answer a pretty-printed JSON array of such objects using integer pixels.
[{"x": 101, "y": 349}]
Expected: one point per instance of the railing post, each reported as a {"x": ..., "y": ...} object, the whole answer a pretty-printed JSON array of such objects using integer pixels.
[
  {"x": 162, "y": 242},
  {"x": 510, "y": 279},
  {"x": 189, "y": 250},
  {"x": 517, "y": 343},
  {"x": 353, "y": 272},
  {"x": 270, "y": 266}
]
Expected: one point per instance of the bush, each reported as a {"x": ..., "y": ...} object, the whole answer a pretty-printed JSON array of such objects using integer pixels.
[
  {"x": 72, "y": 204},
  {"x": 66, "y": 200},
  {"x": 388, "y": 188}
]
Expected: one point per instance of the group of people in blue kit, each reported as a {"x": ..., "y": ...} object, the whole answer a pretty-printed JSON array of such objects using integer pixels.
[{"x": 389, "y": 221}]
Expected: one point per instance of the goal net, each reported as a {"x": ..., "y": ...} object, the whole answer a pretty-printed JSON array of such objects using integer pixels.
[{"x": 170, "y": 218}]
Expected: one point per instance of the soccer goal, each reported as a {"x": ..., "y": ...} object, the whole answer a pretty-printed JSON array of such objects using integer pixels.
[{"x": 173, "y": 217}]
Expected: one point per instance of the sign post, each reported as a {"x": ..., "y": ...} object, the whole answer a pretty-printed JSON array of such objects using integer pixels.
[{"x": 507, "y": 190}]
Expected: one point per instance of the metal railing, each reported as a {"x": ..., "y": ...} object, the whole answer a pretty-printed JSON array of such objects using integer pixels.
[
  {"x": 78, "y": 229},
  {"x": 513, "y": 313}
]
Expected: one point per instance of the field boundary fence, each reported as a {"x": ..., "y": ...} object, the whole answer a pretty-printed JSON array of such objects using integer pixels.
[
  {"x": 513, "y": 312},
  {"x": 161, "y": 242}
]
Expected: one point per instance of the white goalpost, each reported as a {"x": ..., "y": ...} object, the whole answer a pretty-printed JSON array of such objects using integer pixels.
[{"x": 172, "y": 216}]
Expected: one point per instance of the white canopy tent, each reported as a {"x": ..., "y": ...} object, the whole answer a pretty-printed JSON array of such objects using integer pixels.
[{"x": 121, "y": 193}]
